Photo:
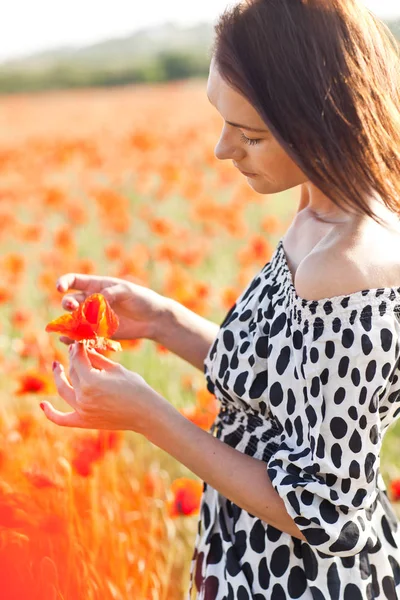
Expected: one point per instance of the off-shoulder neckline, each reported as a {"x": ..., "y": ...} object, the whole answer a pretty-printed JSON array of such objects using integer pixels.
[{"x": 375, "y": 295}]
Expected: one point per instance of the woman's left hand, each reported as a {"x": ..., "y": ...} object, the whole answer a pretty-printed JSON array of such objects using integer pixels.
[{"x": 103, "y": 394}]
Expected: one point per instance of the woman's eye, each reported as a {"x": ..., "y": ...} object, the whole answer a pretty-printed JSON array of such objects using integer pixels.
[{"x": 249, "y": 140}]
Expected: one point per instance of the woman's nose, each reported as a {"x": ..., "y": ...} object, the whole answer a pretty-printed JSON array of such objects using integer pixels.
[{"x": 226, "y": 149}]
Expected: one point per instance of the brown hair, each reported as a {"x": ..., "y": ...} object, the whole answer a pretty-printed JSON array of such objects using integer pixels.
[{"x": 324, "y": 77}]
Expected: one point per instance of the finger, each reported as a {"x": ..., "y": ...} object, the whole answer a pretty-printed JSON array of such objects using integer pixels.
[
  {"x": 79, "y": 362},
  {"x": 71, "y": 419},
  {"x": 98, "y": 361},
  {"x": 113, "y": 292},
  {"x": 72, "y": 374},
  {"x": 64, "y": 387},
  {"x": 77, "y": 281},
  {"x": 66, "y": 340},
  {"x": 72, "y": 301}
]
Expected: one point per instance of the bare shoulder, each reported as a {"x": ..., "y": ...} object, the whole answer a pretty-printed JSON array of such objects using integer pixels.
[{"x": 341, "y": 271}]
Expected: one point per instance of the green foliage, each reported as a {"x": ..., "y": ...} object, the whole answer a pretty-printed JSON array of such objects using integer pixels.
[
  {"x": 161, "y": 54},
  {"x": 164, "y": 67}
]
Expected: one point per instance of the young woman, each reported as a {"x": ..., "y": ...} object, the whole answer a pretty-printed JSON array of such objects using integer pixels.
[{"x": 306, "y": 363}]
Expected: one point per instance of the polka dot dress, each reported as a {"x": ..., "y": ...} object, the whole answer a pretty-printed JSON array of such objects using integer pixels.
[{"x": 309, "y": 388}]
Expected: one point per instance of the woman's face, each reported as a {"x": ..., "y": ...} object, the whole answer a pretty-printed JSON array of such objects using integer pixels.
[{"x": 255, "y": 152}]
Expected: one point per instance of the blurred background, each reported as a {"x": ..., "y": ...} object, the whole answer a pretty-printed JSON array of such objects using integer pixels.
[{"x": 46, "y": 45}]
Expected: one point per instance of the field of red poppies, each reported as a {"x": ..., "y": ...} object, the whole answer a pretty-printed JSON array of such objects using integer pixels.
[{"x": 124, "y": 183}]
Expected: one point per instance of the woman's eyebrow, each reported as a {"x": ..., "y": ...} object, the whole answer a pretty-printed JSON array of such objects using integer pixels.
[{"x": 243, "y": 126}]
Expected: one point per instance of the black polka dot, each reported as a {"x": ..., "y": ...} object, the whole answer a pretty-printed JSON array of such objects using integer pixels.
[
  {"x": 359, "y": 497},
  {"x": 339, "y": 395},
  {"x": 387, "y": 532},
  {"x": 388, "y": 587},
  {"x": 242, "y": 593},
  {"x": 355, "y": 443},
  {"x": 297, "y": 582},
  {"x": 315, "y": 537},
  {"x": 247, "y": 569},
  {"x": 317, "y": 594},
  {"x": 198, "y": 577},
  {"x": 206, "y": 515},
  {"x": 348, "y": 561},
  {"x": 276, "y": 394},
  {"x": 328, "y": 512},
  {"x": 278, "y": 593},
  {"x": 240, "y": 543},
  {"x": 273, "y": 534},
  {"x": 336, "y": 455},
  {"x": 232, "y": 564},
  {"x": 239, "y": 384},
  {"x": 354, "y": 469},
  {"x": 374, "y": 434},
  {"x": 338, "y": 427},
  {"x": 263, "y": 574},
  {"x": 396, "y": 569},
  {"x": 211, "y": 587},
  {"x": 215, "y": 552},
  {"x": 280, "y": 561},
  {"x": 352, "y": 592},
  {"x": 333, "y": 582},
  {"x": 261, "y": 347},
  {"x": 257, "y": 537},
  {"x": 228, "y": 339},
  {"x": 347, "y": 539},
  {"x": 259, "y": 385},
  {"x": 369, "y": 467},
  {"x": 222, "y": 522}
]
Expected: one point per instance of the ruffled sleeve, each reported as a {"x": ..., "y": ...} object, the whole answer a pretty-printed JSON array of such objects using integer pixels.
[{"x": 327, "y": 464}]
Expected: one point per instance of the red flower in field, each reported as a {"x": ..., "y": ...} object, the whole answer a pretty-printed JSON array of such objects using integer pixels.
[
  {"x": 187, "y": 496},
  {"x": 395, "y": 490},
  {"x": 93, "y": 320},
  {"x": 109, "y": 440},
  {"x": 33, "y": 382},
  {"x": 40, "y": 480},
  {"x": 204, "y": 412},
  {"x": 89, "y": 449},
  {"x": 20, "y": 318},
  {"x": 26, "y": 425},
  {"x": 82, "y": 465}
]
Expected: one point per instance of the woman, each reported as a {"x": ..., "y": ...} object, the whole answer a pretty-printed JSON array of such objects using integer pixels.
[{"x": 306, "y": 363}]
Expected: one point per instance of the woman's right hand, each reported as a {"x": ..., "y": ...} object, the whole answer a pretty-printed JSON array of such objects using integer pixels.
[{"x": 140, "y": 310}]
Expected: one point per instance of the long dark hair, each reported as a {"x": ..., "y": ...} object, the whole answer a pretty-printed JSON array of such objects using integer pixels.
[{"x": 324, "y": 77}]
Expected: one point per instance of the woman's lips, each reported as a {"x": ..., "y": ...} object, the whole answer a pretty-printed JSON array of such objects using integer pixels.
[{"x": 245, "y": 172}]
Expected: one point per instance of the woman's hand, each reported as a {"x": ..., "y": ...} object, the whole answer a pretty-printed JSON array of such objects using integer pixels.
[
  {"x": 103, "y": 394},
  {"x": 140, "y": 310}
]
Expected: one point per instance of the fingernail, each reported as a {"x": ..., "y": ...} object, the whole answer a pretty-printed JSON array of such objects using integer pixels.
[
  {"x": 42, "y": 406},
  {"x": 55, "y": 363}
]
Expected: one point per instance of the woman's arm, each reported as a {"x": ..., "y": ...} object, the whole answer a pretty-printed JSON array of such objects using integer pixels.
[
  {"x": 237, "y": 476},
  {"x": 186, "y": 334}
]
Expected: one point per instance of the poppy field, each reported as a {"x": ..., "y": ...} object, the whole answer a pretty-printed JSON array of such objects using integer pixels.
[{"x": 120, "y": 182}]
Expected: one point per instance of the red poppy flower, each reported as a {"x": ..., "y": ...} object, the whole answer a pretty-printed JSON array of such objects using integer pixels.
[
  {"x": 33, "y": 382},
  {"x": 93, "y": 321},
  {"x": 186, "y": 497},
  {"x": 395, "y": 490}
]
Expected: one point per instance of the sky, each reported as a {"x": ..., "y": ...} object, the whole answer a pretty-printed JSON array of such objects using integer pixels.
[{"x": 28, "y": 26}]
